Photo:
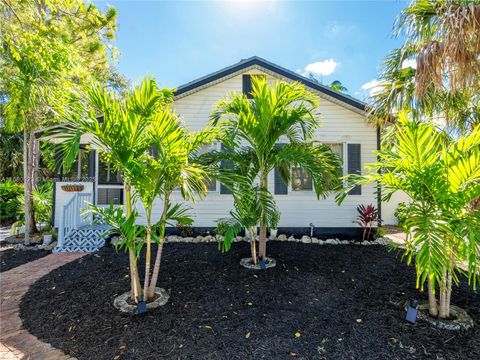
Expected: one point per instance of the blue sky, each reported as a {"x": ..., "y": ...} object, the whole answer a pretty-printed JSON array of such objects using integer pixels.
[{"x": 179, "y": 41}]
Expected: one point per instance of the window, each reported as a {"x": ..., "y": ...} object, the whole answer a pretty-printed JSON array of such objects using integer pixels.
[
  {"x": 247, "y": 84},
  {"x": 79, "y": 168},
  {"x": 210, "y": 183},
  {"x": 338, "y": 149},
  {"x": 107, "y": 175},
  {"x": 301, "y": 180},
  {"x": 107, "y": 195}
]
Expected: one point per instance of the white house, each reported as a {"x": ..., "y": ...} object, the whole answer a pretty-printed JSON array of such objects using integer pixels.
[{"x": 344, "y": 126}]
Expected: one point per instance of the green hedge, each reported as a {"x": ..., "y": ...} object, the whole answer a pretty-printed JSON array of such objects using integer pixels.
[
  {"x": 12, "y": 202},
  {"x": 10, "y": 193}
]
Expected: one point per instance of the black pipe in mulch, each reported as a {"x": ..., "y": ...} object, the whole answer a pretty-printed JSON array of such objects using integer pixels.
[
  {"x": 10, "y": 258},
  {"x": 332, "y": 302}
]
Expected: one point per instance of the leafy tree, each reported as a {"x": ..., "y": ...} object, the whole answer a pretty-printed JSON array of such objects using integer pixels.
[
  {"x": 441, "y": 175},
  {"x": 436, "y": 72},
  {"x": 122, "y": 138},
  {"x": 337, "y": 86},
  {"x": 252, "y": 129},
  {"x": 49, "y": 51}
]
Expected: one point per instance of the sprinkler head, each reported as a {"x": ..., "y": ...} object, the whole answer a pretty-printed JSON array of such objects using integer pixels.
[
  {"x": 412, "y": 311},
  {"x": 141, "y": 306}
]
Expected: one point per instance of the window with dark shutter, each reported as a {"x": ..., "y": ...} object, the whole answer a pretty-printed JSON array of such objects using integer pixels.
[
  {"x": 354, "y": 164},
  {"x": 280, "y": 188},
  {"x": 227, "y": 165},
  {"x": 247, "y": 86}
]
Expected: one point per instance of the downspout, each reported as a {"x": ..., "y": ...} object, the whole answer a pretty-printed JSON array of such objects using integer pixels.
[{"x": 379, "y": 186}]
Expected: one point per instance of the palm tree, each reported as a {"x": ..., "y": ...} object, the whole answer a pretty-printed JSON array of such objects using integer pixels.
[
  {"x": 120, "y": 136},
  {"x": 441, "y": 175},
  {"x": 253, "y": 128},
  {"x": 337, "y": 86},
  {"x": 436, "y": 72},
  {"x": 248, "y": 199},
  {"x": 167, "y": 169},
  {"x": 446, "y": 38}
]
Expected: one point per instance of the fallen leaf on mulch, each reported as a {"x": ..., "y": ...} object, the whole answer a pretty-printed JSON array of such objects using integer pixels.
[
  {"x": 297, "y": 334},
  {"x": 248, "y": 335}
]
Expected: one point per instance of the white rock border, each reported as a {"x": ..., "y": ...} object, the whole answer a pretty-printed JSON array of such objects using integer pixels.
[
  {"x": 462, "y": 320},
  {"x": 121, "y": 301},
  {"x": 282, "y": 237}
]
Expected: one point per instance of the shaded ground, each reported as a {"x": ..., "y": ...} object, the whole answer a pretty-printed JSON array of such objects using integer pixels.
[
  {"x": 10, "y": 258},
  {"x": 343, "y": 301}
]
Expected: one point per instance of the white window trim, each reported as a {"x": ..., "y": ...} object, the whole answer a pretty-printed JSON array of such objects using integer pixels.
[{"x": 104, "y": 186}]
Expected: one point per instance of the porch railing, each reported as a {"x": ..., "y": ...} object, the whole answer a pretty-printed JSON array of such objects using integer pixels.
[{"x": 73, "y": 215}]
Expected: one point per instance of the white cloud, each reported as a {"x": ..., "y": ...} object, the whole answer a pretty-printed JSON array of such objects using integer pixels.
[
  {"x": 409, "y": 63},
  {"x": 373, "y": 87},
  {"x": 325, "y": 67}
]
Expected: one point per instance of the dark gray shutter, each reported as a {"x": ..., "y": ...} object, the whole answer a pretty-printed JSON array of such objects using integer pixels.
[
  {"x": 91, "y": 164},
  {"x": 247, "y": 86},
  {"x": 354, "y": 164},
  {"x": 280, "y": 188},
  {"x": 227, "y": 165}
]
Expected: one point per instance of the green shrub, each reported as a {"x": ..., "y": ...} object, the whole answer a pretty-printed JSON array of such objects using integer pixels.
[
  {"x": 10, "y": 193},
  {"x": 42, "y": 203},
  {"x": 401, "y": 213}
]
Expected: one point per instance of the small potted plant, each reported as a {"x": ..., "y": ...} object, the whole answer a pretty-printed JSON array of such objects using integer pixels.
[{"x": 48, "y": 235}]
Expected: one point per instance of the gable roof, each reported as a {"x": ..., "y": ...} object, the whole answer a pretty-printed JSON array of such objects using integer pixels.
[{"x": 258, "y": 61}]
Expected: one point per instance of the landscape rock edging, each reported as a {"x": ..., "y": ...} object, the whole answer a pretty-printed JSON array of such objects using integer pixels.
[{"x": 282, "y": 237}]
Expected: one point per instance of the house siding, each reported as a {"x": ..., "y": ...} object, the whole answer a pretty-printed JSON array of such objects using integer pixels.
[{"x": 298, "y": 209}]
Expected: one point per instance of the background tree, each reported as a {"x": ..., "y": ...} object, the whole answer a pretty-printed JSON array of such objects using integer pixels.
[
  {"x": 436, "y": 72},
  {"x": 441, "y": 175},
  {"x": 252, "y": 129},
  {"x": 50, "y": 50},
  {"x": 337, "y": 86}
]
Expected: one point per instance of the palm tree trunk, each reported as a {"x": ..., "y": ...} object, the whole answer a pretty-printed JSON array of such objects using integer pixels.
[
  {"x": 26, "y": 186},
  {"x": 156, "y": 271},
  {"x": 446, "y": 292},
  {"x": 432, "y": 300},
  {"x": 148, "y": 255},
  {"x": 158, "y": 258},
  {"x": 253, "y": 248},
  {"x": 32, "y": 179},
  {"x": 136, "y": 288},
  {"x": 444, "y": 311},
  {"x": 262, "y": 241},
  {"x": 135, "y": 279}
]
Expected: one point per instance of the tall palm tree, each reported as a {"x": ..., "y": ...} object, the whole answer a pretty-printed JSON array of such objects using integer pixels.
[
  {"x": 441, "y": 175},
  {"x": 253, "y": 128},
  {"x": 164, "y": 171},
  {"x": 446, "y": 37},
  {"x": 120, "y": 136},
  {"x": 436, "y": 72}
]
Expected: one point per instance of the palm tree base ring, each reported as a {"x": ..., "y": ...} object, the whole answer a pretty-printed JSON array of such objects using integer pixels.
[
  {"x": 460, "y": 320},
  {"x": 122, "y": 303},
  {"x": 248, "y": 263}
]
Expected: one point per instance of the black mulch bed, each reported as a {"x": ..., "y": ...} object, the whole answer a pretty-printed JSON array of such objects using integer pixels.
[
  {"x": 219, "y": 310},
  {"x": 10, "y": 258}
]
